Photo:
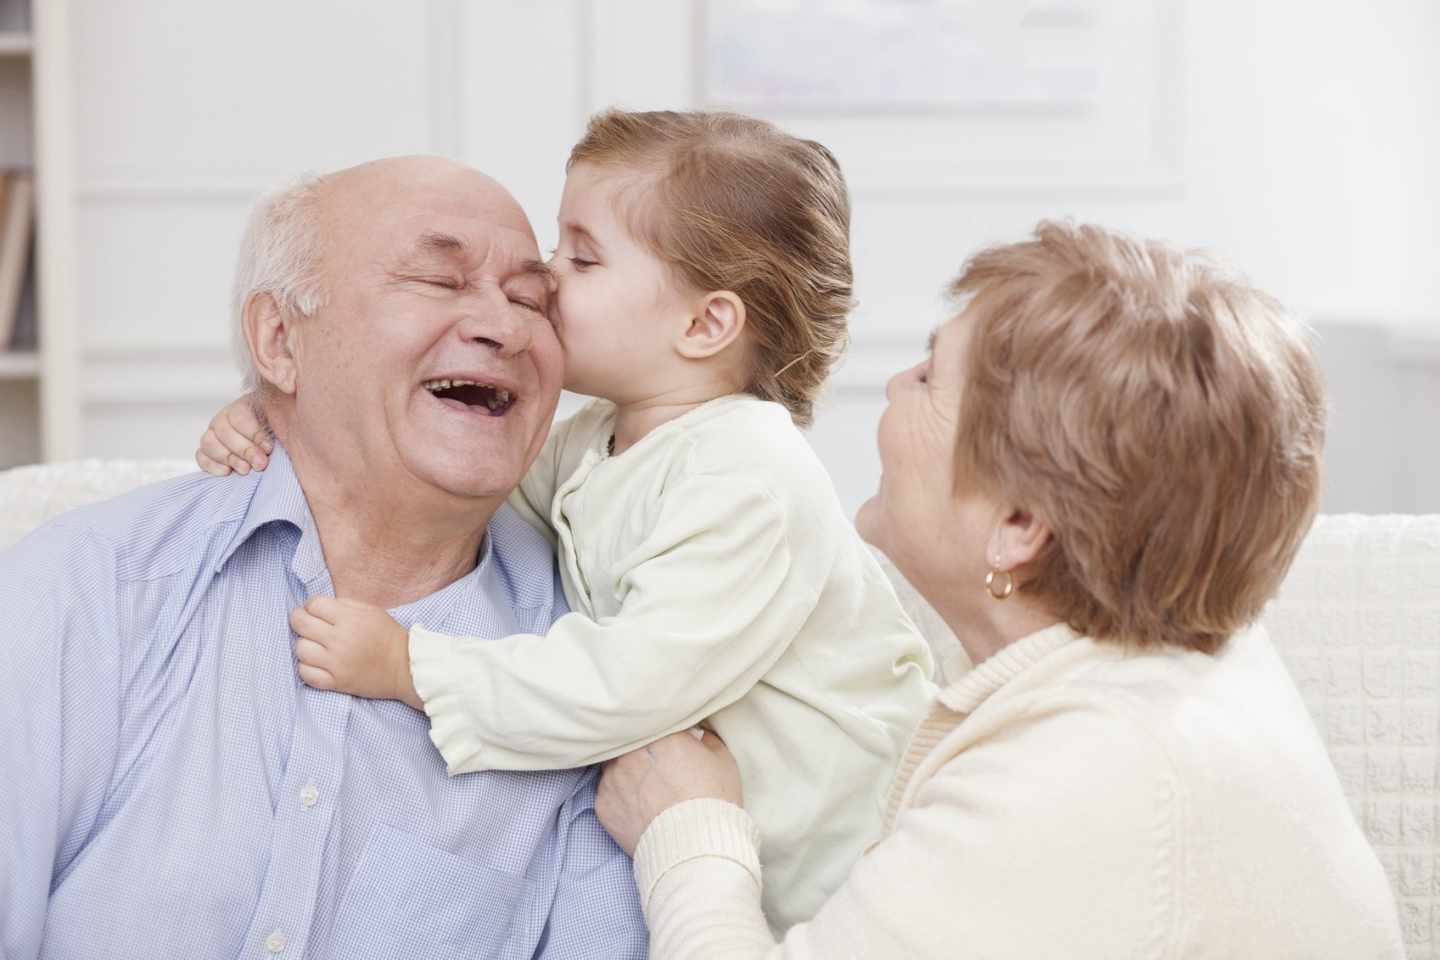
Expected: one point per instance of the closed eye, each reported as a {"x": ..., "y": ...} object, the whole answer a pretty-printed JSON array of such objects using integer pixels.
[
  {"x": 579, "y": 263},
  {"x": 526, "y": 304}
]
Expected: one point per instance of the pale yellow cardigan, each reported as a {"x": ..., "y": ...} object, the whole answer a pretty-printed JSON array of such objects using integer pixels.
[
  {"x": 713, "y": 577},
  {"x": 1067, "y": 800}
]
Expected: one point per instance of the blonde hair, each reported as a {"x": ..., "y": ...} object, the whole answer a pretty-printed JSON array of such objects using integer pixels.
[
  {"x": 1162, "y": 417},
  {"x": 280, "y": 255},
  {"x": 736, "y": 204}
]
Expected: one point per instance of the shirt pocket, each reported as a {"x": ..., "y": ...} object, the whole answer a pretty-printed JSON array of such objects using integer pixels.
[{"x": 410, "y": 899}]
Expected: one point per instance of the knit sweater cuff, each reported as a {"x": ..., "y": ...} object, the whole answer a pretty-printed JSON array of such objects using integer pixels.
[
  {"x": 437, "y": 681},
  {"x": 694, "y": 830}
]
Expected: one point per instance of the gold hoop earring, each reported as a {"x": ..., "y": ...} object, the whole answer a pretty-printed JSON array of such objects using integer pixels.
[{"x": 1006, "y": 590}]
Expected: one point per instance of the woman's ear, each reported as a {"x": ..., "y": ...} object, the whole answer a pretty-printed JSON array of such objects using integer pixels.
[
  {"x": 718, "y": 321},
  {"x": 270, "y": 333},
  {"x": 1018, "y": 540}
]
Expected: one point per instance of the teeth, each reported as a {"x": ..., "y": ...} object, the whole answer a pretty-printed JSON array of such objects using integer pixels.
[{"x": 498, "y": 397}]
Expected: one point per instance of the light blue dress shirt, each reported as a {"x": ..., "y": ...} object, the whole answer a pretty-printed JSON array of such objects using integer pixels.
[{"x": 168, "y": 788}]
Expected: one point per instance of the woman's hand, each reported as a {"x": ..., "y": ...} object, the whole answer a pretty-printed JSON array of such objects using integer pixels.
[
  {"x": 236, "y": 440},
  {"x": 639, "y": 786}
]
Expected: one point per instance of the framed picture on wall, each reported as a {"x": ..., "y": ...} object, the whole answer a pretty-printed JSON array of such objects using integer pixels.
[{"x": 905, "y": 55}]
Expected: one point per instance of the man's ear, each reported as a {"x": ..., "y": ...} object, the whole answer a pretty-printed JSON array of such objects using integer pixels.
[
  {"x": 270, "y": 333},
  {"x": 718, "y": 320},
  {"x": 1018, "y": 540}
]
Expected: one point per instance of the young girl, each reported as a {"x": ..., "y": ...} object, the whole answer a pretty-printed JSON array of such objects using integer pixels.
[{"x": 704, "y": 283}]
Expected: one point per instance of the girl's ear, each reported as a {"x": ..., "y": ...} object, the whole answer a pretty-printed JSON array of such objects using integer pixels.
[
  {"x": 718, "y": 320},
  {"x": 270, "y": 334}
]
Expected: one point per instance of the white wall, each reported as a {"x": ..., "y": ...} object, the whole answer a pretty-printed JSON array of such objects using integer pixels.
[{"x": 1298, "y": 140}]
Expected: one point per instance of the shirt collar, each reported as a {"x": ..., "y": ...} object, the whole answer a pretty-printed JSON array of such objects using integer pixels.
[
  {"x": 277, "y": 497},
  {"x": 971, "y": 690}
]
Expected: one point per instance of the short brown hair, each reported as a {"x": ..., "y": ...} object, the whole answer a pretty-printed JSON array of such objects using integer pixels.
[
  {"x": 737, "y": 204},
  {"x": 1164, "y": 418}
]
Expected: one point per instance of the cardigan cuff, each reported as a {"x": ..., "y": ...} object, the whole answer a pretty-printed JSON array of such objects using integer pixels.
[
  {"x": 432, "y": 670},
  {"x": 693, "y": 830}
]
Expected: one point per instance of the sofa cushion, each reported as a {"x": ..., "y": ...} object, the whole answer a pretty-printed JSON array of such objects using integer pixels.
[{"x": 31, "y": 495}]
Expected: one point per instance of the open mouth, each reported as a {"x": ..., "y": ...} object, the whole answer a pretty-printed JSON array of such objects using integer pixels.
[{"x": 471, "y": 395}]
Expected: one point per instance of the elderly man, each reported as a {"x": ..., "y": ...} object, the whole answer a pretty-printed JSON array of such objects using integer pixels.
[{"x": 167, "y": 786}]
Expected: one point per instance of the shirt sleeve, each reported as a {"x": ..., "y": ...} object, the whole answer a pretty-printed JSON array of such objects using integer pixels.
[
  {"x": 708, "y": 602},
  {"x": 59, "y": 716},
  {"x": 596, "y": 911},
  {"x": 1012, "y": 849}
]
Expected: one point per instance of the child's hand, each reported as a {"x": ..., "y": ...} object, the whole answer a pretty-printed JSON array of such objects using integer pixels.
[
  {"x": 236, "y": 440},
  {"x": 353, "y": 648}
]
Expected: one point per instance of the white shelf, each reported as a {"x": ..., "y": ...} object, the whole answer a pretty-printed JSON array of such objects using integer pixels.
[
  {"x": 16, "y": 44},
  {"x": 19, "y": 366}
]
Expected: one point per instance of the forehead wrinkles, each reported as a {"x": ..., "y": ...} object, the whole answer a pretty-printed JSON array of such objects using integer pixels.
[{"x": 493, "y": 250}]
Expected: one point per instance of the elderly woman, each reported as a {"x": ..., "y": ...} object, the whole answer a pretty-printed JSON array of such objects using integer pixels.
[{"x": 1098, "y": 477}]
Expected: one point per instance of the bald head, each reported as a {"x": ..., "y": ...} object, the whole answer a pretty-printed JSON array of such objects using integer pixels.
[
  {"x": 349, "y": 197},
  {"x": 283, "y": 250}
]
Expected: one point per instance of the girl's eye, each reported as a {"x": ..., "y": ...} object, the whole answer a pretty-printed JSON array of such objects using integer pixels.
[{"x": 580, "y": 263}]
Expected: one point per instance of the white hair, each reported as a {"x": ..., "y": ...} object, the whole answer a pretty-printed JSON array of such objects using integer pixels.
[{"x": 280, "y": 254}]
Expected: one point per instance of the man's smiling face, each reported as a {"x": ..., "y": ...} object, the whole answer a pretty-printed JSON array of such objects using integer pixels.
[{"x": 433, "y": 355}]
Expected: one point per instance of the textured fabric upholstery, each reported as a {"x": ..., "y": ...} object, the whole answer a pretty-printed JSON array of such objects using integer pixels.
[
  {"x": 31, "y": 495},
  {"x": 1357, "y": 622}
]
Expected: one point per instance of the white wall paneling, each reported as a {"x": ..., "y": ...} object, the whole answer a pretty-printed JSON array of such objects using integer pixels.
[
  {"x": 186, "y": 114},
  {"x": 175, "y": 92},
  {"x": 522, "y": 83},
  {"x": 1229, "y": 126}
]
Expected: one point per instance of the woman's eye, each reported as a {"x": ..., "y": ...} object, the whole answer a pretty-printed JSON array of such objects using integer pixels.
[
  {"x": 526, "y": 304},
  {"x": 446, "y": 282}
]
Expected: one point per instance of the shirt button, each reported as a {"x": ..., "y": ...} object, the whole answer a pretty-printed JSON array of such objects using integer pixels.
[
  {"x": 308, "y": 795},
  {"x": 275, "y": 942}
]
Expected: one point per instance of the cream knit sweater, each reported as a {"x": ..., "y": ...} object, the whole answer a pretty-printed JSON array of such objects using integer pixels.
[
  {"x": 1065, "y": 799},
  {"x": 713, "y": 576}
]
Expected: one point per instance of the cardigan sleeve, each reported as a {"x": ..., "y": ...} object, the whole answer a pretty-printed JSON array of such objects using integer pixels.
[
  {"x": 709, "y": 601},
  {"x": 1057, "y": 835}
]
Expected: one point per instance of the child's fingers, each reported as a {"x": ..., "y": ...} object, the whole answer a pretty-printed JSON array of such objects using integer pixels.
[
  {"x": 238, "y": 444},
  {"x": 316, "y": 677},
  {"x": 242, "y": 418},
  {"x": 216, "y": 450},
  {"x": 211, "y": 446},
  {"x": 312, "y": 654},
  {"x": 323, "y": 608},
  {"x": 309, "y": 626},
  {"x": 210, "y": 466}
]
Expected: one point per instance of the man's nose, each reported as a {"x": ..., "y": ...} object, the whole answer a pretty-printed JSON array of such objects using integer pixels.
[{"x": 496, "y": 323}]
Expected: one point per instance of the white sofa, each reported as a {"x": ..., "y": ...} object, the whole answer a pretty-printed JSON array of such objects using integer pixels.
[{"x": 1358, "y": 623}]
